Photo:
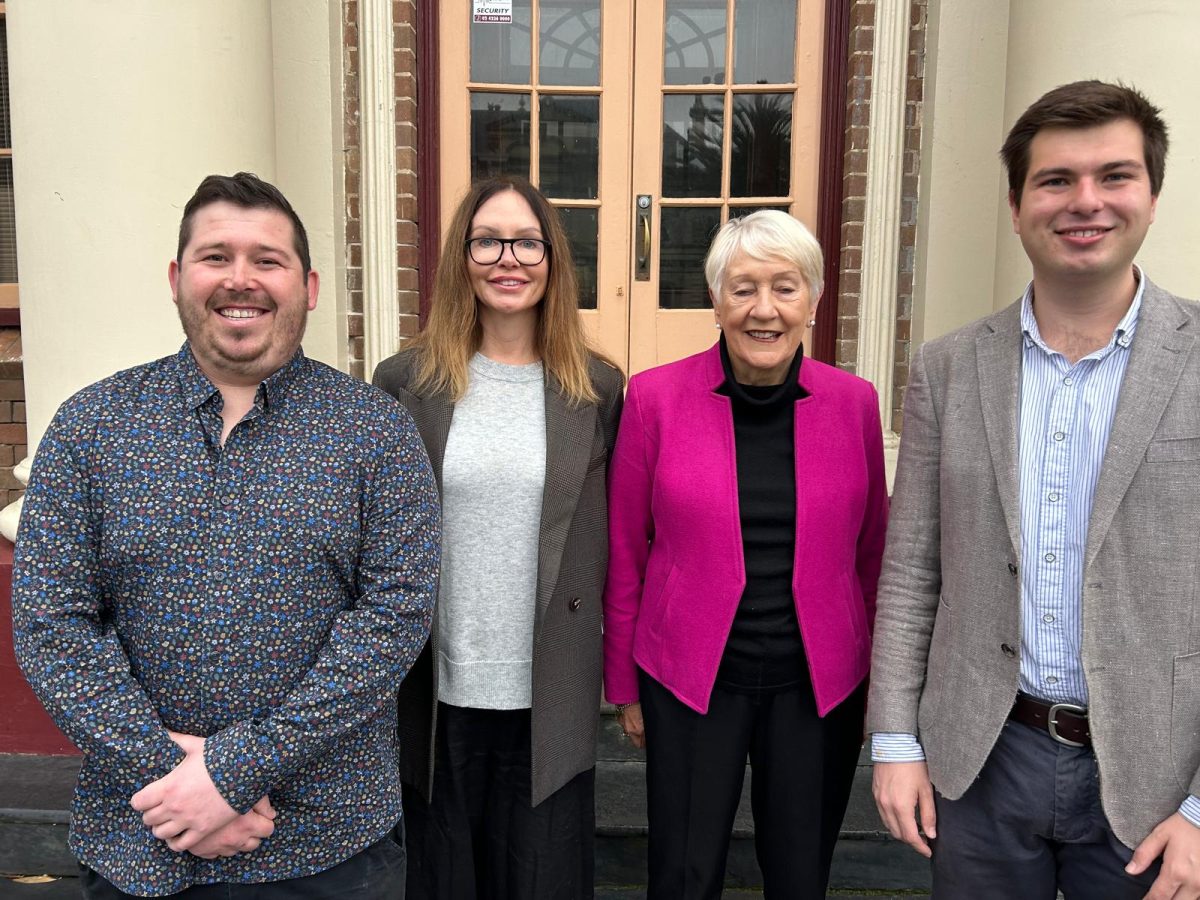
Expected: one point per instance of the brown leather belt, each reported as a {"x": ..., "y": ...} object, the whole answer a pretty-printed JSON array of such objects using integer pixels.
[{"x": 1067, "y": 723}]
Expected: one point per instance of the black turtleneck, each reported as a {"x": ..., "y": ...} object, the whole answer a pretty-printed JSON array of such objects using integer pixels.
[{"x": 765, "y": 649}]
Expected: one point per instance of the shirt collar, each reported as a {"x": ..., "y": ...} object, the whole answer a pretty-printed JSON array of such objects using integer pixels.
[
  {"x": 1122, "y": 335},
  {"x": 198, "y": 390}
]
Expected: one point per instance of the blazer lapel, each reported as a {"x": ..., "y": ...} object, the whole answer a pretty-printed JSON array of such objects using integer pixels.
[
  {"x": 569, "y": 437},
  {"x": 1156, "y": 362},
  {"x": 433, "y": 413},
  {"x": 998, "y": 356}
]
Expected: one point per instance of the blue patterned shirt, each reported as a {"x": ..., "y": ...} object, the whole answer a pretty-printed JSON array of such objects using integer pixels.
[{"x": 268, "y": 594}]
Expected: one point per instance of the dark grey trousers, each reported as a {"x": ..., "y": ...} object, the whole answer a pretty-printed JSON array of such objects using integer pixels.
[
  {"x": 803, "y": 768},
  {"x": 1030, "y": 826}
]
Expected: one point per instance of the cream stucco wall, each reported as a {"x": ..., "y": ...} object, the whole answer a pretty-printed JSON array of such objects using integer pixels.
[
  {"x": 118, "y": 111},
  {"x": 988, "y": 60}
]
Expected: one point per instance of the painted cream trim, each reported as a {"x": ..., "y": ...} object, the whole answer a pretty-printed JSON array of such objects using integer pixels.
[
  {"x": 381, "y": 330},
  {"x": 881, "y": 213}
]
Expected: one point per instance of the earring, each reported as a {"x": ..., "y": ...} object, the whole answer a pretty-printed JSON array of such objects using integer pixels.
[
  {"x": 718, "y": 324},
  {"x": 812, "y": 322}
]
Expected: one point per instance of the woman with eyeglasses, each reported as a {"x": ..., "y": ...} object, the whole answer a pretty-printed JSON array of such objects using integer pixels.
[
  {"x": 498, "y": 718},
  {"x": 747, "y": 510}
]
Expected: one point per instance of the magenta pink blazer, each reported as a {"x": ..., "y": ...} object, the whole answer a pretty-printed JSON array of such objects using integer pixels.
[{"x": 676, "y": 572}]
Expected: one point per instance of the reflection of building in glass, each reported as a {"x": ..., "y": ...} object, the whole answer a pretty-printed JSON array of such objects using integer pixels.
[
  {"x": 685, "y": 235},
  {"x": 569, "y": 146},
  {"x": 499, "y": 135},
  {"x": 692, "y": 145}
]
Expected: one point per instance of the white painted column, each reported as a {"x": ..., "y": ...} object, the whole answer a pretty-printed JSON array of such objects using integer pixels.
[
  {"x": 118, "y": 111},
  {"x": 381, "y": 328},
  {"x": 881, "y": 214},
  {"x": 105, "y": 163}
]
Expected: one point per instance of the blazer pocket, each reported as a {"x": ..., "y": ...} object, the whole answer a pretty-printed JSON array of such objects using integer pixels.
[
  {"x": 856, "y": 611},
  {"x": 654, "y": 608},
  {"x": 1185, "y": 719},
  {"x": 1173, "y": 450}
]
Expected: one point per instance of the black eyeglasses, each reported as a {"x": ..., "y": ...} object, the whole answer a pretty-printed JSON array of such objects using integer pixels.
[{"x": 486, "y": 251}]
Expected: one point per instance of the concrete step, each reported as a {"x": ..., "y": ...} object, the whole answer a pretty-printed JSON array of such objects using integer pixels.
[
  {"x": 35, "y": 796},
  {"x": 866, "y": 857},
  {"x": 35, "y": 793}
]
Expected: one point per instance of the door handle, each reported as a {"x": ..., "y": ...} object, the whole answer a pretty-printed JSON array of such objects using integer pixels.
[{"x": 643, "y": 214}]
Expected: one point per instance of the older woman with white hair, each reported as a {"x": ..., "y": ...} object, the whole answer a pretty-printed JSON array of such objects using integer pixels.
[{"x": 747, "y": 509}]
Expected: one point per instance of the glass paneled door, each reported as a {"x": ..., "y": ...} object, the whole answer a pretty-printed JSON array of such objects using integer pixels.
[{"x": 648, "y": 123}]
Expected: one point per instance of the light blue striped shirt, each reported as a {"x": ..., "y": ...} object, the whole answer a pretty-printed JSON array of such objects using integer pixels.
[
  {"x": 1066, "y": 414},
  {"x": 1065, "y": 419}
]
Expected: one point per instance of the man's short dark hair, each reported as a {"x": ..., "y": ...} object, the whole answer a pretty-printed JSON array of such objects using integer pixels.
[
  {"x": 248, "y": 191},
  {"x": 1086, "y": 104}
]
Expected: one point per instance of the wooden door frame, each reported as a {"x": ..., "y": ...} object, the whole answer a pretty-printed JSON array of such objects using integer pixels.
[
  {"x": 429, "y": 163},
  {"x": 832, "y": 168},
  {"x": 829, "y": 190}
]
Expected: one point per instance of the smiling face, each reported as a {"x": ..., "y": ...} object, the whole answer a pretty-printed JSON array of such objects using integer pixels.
[
  {"x": 506, "y": 288},
  {"x": 1086, "y": 204},
  {"x": 764, "y": 308},
  {"x": 241, "y": 292}
]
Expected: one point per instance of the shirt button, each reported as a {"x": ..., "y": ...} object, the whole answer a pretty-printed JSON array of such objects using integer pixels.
[
  {"x": 1050, "y": 679},
  {"x": 1049, "y": 557},
  {"x": 1068, "y": 380},
  {"x": 575, "y": 603},
  {"x": 1048, "y": 618},
  {"x": 1007, "y": 650},
  {"x": 1058, "y": 435},
  {"x": 1052, "y": 497}
]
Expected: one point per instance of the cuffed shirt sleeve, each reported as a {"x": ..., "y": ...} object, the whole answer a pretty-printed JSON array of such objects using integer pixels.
[
  {"x": 1190, "y": 809},
  {"x": 893, "y": 747}
]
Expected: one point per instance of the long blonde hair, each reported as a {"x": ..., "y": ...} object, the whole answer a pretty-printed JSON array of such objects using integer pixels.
[{"x": 452, "y": 333}]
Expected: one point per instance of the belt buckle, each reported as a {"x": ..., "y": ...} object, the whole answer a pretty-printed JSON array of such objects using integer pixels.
[{"x": 1052, "y": 724}]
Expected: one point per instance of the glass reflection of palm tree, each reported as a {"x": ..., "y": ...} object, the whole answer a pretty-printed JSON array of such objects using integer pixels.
[{"x": 762, "y": 145}]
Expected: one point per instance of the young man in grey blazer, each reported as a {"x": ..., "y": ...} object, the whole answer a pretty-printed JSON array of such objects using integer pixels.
[{"x": 1035, "y": 688}]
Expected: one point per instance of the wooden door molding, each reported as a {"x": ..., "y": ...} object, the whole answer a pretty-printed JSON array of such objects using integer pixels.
[
  {"x": 832, "y": 167},
  {"x": 429, "y": 163}
]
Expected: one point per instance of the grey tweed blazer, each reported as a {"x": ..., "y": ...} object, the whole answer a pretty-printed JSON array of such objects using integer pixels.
[
  {"x": 572, "y": 558},
  {"x": 947, "y": 632}
]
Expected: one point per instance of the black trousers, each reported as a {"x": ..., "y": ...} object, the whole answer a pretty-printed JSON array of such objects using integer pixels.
[
  {"x": 480, "y": 838},
  {"x": 802, "y": 769},
  {"x": 1030, "y": 826},
  {"x": 376, "y": 873}
]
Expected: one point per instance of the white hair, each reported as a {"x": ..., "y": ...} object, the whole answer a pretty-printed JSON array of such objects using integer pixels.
[{"x": 766, "y": 234}]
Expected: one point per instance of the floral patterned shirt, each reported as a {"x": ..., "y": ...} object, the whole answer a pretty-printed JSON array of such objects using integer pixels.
[{"x": 268, "y": 594}]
